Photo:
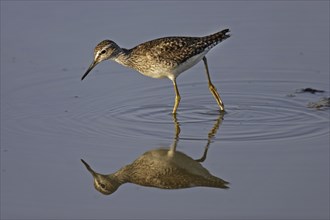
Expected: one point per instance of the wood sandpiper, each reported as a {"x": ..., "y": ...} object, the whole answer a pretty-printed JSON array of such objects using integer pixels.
[
  {"x": 162, "y": 168},
  {"x": 163, "y": 57}
]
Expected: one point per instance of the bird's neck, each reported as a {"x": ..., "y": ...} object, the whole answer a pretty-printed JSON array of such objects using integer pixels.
[
  {"x": 122, "y": 175},
  {"x": 123, "y": 56}
]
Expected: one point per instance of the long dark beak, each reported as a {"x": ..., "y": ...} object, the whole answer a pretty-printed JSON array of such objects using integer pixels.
[
  {"x": 88, "y": 167},
  {"x": 89, "y": 69}
]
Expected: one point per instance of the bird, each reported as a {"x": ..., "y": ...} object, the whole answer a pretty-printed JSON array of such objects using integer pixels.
[
  {"x": 160, "y": 168},
  {"x": 165, "y": 57},
  {"x": 164, "y": 168}
]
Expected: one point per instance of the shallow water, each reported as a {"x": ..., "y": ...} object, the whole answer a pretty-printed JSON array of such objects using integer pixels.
[{"x": 270, "y": 146}]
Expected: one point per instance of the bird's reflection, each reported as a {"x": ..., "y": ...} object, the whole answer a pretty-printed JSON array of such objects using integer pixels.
[{"x": 162, "y": 168}]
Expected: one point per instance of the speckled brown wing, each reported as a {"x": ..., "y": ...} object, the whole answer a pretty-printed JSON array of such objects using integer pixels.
[
  {"x": 173, "y": 51},
  {"x": 169, "y": 51},
  {"x": 177, "y": 178}
]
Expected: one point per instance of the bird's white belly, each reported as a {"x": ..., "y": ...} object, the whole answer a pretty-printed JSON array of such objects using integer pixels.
[{"x": 187, "y": 64}]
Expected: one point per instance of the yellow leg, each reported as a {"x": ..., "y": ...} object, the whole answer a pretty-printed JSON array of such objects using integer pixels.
[
  {"x": 212, "y": 88},
  {"x": 211, "y": 135},
  {"x": 177, "y": 97},
  {"x": 176, "y": 135}
]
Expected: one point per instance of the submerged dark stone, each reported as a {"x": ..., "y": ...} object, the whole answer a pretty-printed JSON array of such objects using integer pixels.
[
  {"x": 322, "y": 103},
  {"x": 310, "y": 90}
]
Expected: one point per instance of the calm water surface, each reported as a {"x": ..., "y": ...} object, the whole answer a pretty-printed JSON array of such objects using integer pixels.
[{"x": 270, "y": 146}]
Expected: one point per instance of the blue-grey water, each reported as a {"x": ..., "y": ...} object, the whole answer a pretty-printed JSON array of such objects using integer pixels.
[{"x": 270, "y": 146}]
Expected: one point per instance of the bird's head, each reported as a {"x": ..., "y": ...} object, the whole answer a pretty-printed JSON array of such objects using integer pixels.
[
  {"x": 105, "y": 184},
  {"x": 105, "y": 50}
]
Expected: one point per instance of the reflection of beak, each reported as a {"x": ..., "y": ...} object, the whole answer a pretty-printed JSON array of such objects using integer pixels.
[
  {"x": 88, "y": 167},
  {"x": 89, "y": 69}
]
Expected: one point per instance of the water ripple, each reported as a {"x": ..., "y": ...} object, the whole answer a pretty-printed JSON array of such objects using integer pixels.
[
  {"x": 266, "y": 114},
  {"x": 256, "y": 110}
]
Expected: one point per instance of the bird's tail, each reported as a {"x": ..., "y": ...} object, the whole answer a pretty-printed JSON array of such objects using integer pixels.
[
  {"x": 212, "y": 181},
  {"x": 217, "y": 37},
  {"x": 217, "y": 183}
]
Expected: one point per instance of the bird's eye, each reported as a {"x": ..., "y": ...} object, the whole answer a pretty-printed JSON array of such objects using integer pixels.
[
  {"x": 102, "y": 185},
  {"x": 103, "y": 52}
]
